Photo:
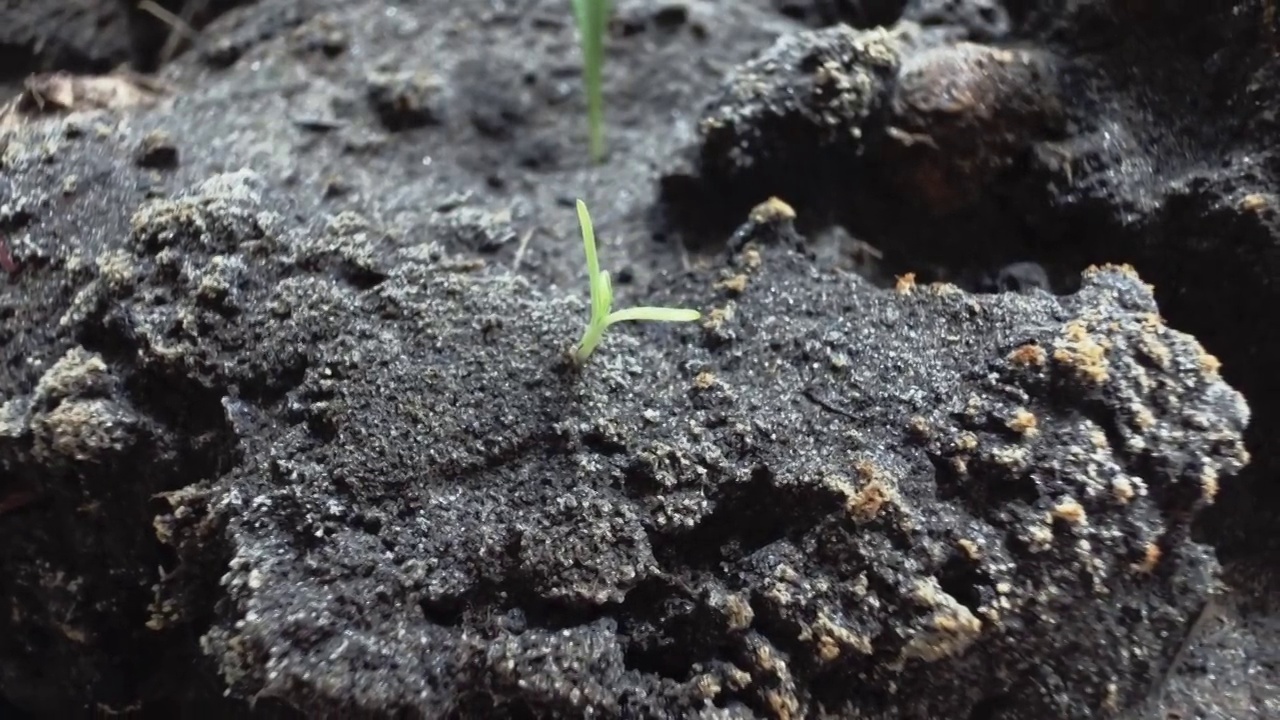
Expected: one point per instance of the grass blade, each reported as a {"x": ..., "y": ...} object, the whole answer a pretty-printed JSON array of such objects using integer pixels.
[
  {"x": 593, "y": 261},
  {"x": 592, "y": 17}
]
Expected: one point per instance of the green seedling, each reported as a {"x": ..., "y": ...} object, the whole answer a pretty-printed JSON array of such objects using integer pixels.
[
  {"x": 602, "y": 298},
  {"x": 592, "y": 17}
]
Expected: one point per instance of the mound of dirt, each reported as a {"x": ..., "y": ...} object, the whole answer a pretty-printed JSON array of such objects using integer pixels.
[{"x": 288, "y": 424}]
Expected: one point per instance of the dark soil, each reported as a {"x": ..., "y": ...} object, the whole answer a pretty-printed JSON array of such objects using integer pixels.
[{"x": 288, "y": 425}]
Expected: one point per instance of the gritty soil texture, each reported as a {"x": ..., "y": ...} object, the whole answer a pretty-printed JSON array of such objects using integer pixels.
[
  {"x": 95, "y": 36},
  {"x": 288, "y": 425}
]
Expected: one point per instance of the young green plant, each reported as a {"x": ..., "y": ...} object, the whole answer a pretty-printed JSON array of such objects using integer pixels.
[
  {"x": 602, "y": 298},
  {"x": 593, "y": 17}
]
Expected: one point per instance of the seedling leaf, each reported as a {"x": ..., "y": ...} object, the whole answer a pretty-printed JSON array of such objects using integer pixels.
[
  {"x": 593, "y": 261},
  {"x": 602, "y": 297},
  {"x": 656, "y": 314}
]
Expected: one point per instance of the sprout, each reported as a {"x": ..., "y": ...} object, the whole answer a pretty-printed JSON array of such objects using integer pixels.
[
  {"x": 592, "y": 17},
  {"x": 602, "y": 298}
]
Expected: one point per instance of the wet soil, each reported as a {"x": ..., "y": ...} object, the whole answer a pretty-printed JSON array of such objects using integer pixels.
[{"x": 976, "y": 423}]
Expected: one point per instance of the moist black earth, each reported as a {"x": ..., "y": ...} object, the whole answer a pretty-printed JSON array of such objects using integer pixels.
[{"x": 975, "y": 423}]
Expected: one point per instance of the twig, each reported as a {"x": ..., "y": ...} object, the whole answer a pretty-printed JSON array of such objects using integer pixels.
[
  {"x": 177, "y": 23},
  {"x": 811, "y": 394},
  {"x": 524, "y": 244}
]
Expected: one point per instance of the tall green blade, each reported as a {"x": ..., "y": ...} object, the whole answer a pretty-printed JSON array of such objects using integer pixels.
[{"x": 592, "y": 17}]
